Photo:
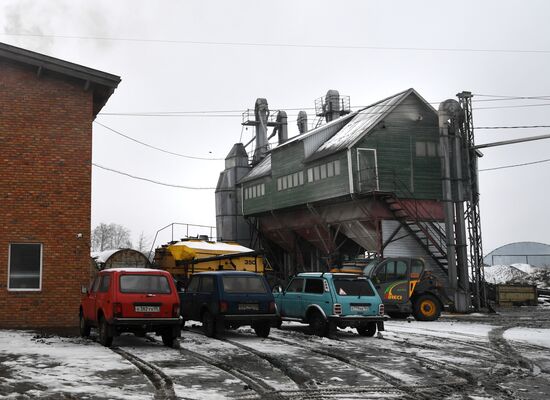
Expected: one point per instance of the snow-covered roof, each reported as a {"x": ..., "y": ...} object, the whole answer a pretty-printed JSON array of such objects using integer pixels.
[
  {"x": 130, "y": 269},
  {"x": 362, "y": 123},
  {"x": 101, "y": 257},
  {"x": 213, "y": 246},
  {"x": 262, "y": 169}
]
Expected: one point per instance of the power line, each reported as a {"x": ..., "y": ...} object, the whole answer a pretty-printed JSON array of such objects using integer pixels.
[
  {"x": 156, "y": 148},
  {"x": 151, "y": 180},
  {"x": 515, "y": 165},
  {"x": 513, "y": 127},
  {"x": 287, "y": 45}
]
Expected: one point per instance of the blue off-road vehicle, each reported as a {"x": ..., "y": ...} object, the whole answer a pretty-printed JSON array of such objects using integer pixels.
[
  {"x": 229, "y": 299},
  {"x": 329, "y": 300}
]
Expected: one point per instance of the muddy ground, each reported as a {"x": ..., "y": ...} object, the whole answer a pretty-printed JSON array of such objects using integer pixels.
[{"x": 502, "y": 356}]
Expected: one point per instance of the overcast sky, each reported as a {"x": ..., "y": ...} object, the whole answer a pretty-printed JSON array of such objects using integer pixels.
[{"x": 163, "y": 73}]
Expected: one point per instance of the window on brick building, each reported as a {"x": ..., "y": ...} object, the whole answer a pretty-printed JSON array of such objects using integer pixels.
[{"x": 25, "y": 266}]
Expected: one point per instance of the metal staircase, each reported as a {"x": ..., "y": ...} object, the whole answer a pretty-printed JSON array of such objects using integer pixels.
[{"x": 428, "y": 234}]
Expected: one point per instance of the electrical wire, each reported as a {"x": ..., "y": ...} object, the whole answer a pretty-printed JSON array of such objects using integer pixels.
[
  {"x": 154, "y": 147},
  {"x": 515, "y": 165},
  {"x": 513, "y": 127},
  {"x": 151, "y": 180},
  {"x": 285, "y": 45}
]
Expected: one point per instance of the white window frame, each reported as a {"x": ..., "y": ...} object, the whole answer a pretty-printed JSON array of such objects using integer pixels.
[
  {"x": 41, "y": 270},
  {"x": 337, "y": 167},
  {"x": 301, "y": 177},
  {"x": 375, "y": 165},
  {"x": 310, "y": 174}
]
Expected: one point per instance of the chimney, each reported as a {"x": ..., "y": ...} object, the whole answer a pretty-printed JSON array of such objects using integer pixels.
[
  {"x": 261, "y": 112},
  {"x": 302, "y": 122},
  {"x": 282, "y": 126}
]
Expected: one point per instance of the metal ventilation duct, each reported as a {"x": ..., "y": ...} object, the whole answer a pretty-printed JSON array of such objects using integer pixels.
[
  {"x": 261, "y": 112},
  {"x": 302, "y": 122}
]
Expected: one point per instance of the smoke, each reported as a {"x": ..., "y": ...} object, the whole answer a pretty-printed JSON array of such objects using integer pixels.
[
  {"x": 35, "y": 22},
  {"x": 29, "y": 20}
]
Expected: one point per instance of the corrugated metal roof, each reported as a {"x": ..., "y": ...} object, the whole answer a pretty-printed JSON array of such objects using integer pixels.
[
  {"x": 262, "y": 169},
  {"x": 364, "y": 121},
  {"x": 320, "y": 130}
]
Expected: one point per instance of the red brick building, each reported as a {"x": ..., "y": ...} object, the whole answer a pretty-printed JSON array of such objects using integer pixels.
[{"x": 47, "y": 107}]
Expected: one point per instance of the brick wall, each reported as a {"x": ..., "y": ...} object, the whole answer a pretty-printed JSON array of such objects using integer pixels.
[{"x": 45, "y": 191}]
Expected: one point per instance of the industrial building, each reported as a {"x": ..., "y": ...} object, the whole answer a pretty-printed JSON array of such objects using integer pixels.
[
  {"x": 362, "y": 181},
  {"x": 535, "y": 254},
  {"x": 47, "y": 107}
]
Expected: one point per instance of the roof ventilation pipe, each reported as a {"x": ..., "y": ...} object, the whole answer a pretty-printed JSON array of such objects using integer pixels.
[
  {"x": 282, "y": 126},
  {"x": 332, "y": 105},
  {"x": 302, "y": 122},
  {"x": 261, "y": 112}
]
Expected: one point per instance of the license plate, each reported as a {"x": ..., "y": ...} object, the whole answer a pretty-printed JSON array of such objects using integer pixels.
[
  {"x": 360, "y": 308},
  {"x": 147, "y": 308},
  {"x": 248, "y": 307}
]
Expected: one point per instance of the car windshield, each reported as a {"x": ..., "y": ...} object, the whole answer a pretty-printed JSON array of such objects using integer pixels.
[
  {"x": 243, "y": 284},
  {"x": 144, "y": 284},
  {"x": 353, "y": 287}
]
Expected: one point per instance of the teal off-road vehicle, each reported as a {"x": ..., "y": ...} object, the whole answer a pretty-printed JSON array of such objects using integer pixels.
[{"x": 329, "y": 300}]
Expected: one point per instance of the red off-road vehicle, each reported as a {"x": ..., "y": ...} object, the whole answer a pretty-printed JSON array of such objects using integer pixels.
[{"x": 134, "y": 300}]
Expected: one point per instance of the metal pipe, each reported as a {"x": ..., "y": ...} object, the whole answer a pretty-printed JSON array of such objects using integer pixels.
[{"x": 512, "y": 141}]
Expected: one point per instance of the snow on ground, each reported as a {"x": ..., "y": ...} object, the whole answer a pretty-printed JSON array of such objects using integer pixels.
[
  {"x": 42, "y": 366},
  {"x": 538, "y": 337},
  {"x": 449, "y": 329}
]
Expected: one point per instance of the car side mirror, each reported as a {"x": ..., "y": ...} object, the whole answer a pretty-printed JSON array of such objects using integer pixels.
[{"x": 278, "y": 289}]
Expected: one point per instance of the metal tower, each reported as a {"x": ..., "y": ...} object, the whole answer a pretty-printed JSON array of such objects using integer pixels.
[{"x": 473, "y": 218}]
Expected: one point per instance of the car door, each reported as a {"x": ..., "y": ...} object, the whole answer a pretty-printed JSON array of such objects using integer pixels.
[
  {"x": 103, "y": 297},
  {"x": 188, "y": 303},
  {"x": 205, "y": 295},
  {"x": 313, "y": 294},
  {"x": 88, "y": 302},
  {"x": 391, "y": 279},
  {"x": 291, "y": 300}
]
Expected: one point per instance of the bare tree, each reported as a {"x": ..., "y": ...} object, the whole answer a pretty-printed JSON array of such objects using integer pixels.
[
  {"x": 110, "y": 236},
  {"x": 143, "y": 244}
]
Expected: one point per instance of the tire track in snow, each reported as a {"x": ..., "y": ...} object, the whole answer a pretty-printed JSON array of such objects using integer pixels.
[{"x": 164, "y": 387}]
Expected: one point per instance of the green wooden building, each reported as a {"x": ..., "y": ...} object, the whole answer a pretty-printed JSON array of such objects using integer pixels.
[{"x": 352, "y": 185}]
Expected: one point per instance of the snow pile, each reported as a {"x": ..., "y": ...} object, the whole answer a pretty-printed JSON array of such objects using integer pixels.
[{"x": 498, "y": 274}]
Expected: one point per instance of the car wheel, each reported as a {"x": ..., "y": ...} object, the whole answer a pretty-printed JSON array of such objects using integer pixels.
[
  {"x": 84, "y": 327},
  {"x": 398, "y": 315},
  {"x": 262, "y": 329},
  {"x": 368, "y": 329},
  {"x": 426, "y": 308},
  {"x": 105, "y": 337},
  {"x": 317, "y": 324},
  {"x": 209, "y": 324},
  {"x": 168, "y": 338}
]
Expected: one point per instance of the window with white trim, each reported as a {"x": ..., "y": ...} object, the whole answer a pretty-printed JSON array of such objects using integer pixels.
[
  {"x": 323, "y": 171},
  {"x": 255, "y": 191},
  {"x": 25, "y": 266},
  {"x": 290, "y": 181}
]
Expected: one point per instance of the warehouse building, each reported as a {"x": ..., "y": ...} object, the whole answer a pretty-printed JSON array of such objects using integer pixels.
[
  {"x": 533, "y": 253},
  {"x": 47, "y": 107}
]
